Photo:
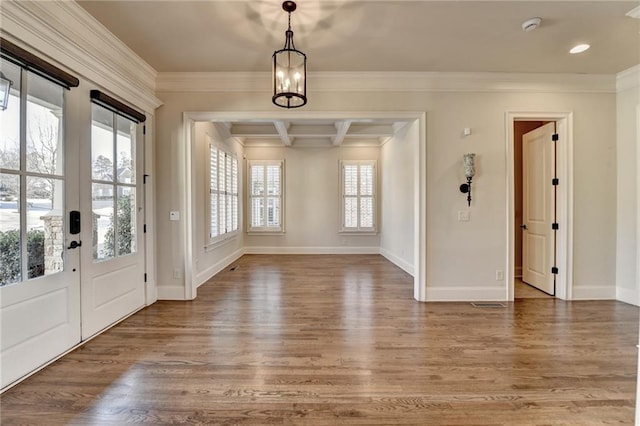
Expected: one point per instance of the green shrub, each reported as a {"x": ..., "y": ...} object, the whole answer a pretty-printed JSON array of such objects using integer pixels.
[
  {"x": 125, "y": 236},
  {"x": 10, "y": 255}
]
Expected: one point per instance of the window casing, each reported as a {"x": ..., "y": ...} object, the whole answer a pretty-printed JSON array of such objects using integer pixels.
[
  {"x": 358, "y": 192},
  {"x": 223, "y": 194},
  {"x": 266, "y": 196}
]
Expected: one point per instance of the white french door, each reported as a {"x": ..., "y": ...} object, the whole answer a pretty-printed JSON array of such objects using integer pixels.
[
  {"x": 112, "y": 199},
  {"x": 39, "y": 274}
]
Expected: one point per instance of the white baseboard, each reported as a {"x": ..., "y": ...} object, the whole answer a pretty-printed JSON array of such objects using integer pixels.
[
  {"x": 465, "y": 294},
  {"x": 204, "y": 276},
  {"x": 629, "y": 296},
  {"x": 312, "y": 250},
  {"x": 400, "y": 263},
  {"x": 151, "y": 292},
  {"x": 594, "y": 293},
  {"x": 171, "y": 292}
]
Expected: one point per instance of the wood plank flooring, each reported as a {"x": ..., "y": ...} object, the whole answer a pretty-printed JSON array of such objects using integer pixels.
[
  {"x": 523, "y": 290},
  {"x": 338, "y": 340}
]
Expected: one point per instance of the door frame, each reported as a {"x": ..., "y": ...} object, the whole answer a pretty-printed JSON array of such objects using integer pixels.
[
  {"x": 564, "y": 200},
  {"x": 420, "y": 271}
]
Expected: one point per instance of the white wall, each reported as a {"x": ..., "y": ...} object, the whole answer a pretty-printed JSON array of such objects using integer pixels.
[
  {"x": 627, "y": 196},
  {"x": 481, "y": 243},
  {"x": 627, "y": 201},
  {"x": 210, "y": 261},
  {"x": 397, "y": 197},
  {"x": 312, "y": 201}
]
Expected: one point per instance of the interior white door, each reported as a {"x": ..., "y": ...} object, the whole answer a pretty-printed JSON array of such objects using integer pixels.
[
  {"x": 40, "y": 283},
  {"x": 538, "y": 240},
  {"x": 113, "y": 270}
]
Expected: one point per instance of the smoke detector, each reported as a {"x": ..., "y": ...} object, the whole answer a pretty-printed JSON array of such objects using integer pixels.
[{"x": 531, "y": 24}]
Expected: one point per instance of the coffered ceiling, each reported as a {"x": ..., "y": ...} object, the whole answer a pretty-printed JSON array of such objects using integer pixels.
[{"x": 301, "y": 133}]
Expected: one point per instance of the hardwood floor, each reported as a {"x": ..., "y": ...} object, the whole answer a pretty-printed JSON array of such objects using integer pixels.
[
  {"x": 523, "y": 290},
  {"x": 333, "y": 340}
]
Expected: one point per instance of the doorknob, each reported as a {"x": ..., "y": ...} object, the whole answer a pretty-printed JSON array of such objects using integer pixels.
[
  {"x": 74, "y": 244},
  {"x": 523, "y": 226}
]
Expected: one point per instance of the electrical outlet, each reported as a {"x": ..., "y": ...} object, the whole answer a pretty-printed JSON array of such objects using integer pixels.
[
  {"x": 499, "y": 275},
  {"x": 463, "y": 215},
  {"x": 174, "y": 215},
  {"x": 177, "y": 274}
]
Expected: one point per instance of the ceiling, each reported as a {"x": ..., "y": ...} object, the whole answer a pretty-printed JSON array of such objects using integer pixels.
[
  {"x": 375, "y": 35},
  {"x": 358, "y": 35}
]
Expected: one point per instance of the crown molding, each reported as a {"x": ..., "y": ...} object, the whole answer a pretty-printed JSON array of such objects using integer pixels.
[
  {"x": 628, "y": 79},
  {"x": 67, "y": 35},
  {"x": 393, "y": 82}
]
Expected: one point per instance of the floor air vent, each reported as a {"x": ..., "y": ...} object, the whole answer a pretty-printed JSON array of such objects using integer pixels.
[{"x": 488, "y": 305}]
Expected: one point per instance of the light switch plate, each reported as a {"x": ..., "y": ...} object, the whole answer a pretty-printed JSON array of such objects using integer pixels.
[{"x": 463, "y": 215}]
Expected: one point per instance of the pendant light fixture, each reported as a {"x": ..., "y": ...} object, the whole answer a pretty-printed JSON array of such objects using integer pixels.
[{"x": 289, "y": 70}]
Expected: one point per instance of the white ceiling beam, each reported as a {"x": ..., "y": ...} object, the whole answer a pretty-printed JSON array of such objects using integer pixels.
[
  {"x": 282, "y": 128},
  {"x": 342, "y": 128}
]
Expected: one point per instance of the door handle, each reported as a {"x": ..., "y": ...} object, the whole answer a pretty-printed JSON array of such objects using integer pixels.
[
  {"x": 74, "y": 244},
  {"x": 523, "y": 226}
]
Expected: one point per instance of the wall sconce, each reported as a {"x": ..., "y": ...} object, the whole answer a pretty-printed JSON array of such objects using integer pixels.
[
  {"x": 469, "y": 172},
  {"x": 5, "y": 86}
]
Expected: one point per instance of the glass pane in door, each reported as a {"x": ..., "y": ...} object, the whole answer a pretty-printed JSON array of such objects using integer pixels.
[
  {"x": 125, "y": 150},
  {"x": 44, "y": 127},
  {"x": 45, "y": 226},
  {"x": 101, "y": 143},
  {"x": 10, "y": 253},
  {"x": 126, "y": 221},
  {"x": 103, "y": 221},
  {"x": 10, "y": 119}
]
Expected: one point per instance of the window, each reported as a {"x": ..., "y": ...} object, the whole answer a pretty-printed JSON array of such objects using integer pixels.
[
  {"x": 223, "y": 194},
  {"x": 113, "y": 183},
  {"x": 265, "y": 196},
  {"x": 358, "y": 183},
  {"x": 32, "y": 180}
]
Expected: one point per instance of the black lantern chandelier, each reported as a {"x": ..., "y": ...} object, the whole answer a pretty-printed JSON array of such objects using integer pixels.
[{"x": 289, "y": 70}]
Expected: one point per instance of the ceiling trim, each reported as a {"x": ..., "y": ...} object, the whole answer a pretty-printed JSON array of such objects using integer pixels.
[
  {"x": 393, "y": 82},
  {"x": 628, "y": 79},
  {"x": 68, "y": 35}
]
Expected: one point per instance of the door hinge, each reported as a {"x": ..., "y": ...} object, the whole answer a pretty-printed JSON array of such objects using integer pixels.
[
  {"x": 144, "y": 178},
  {"x": 555, "y": 181},
  {"x": 144, "y": 228},
  {"x": 555, "y": 137},
  {"x": 554, "y": 270},
  {"x": 145, "y": 277},
  {"x": 144, "y": 130},
  {"x": 554, "y": 226}
]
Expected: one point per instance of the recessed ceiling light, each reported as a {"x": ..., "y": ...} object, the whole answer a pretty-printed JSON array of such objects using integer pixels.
[{"x": 579, "y": 48}]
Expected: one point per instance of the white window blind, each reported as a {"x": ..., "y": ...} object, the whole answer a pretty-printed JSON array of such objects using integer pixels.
[
  {"x": 358, "y": 196},
  {"x": 223, "y": 193},
  {"x": 265, "y": 196}
]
